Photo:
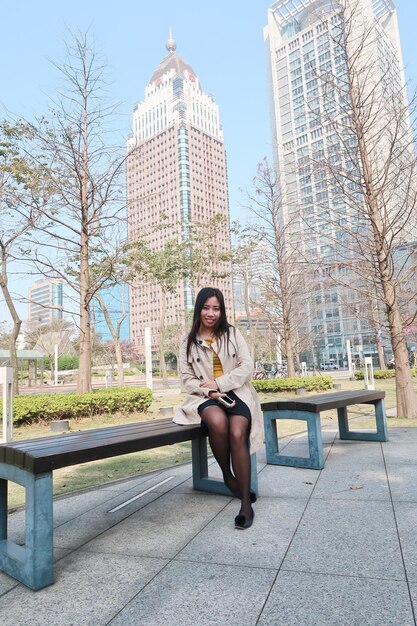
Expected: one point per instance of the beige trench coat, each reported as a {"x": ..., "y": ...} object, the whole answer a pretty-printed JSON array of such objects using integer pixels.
[{"x": 237, "y": 368}]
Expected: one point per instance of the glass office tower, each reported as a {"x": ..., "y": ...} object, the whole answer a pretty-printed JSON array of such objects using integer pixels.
[{"x": 303, "y": 47}]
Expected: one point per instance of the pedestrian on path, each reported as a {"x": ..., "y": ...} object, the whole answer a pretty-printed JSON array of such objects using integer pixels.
[{"x": 215, "y": 370}]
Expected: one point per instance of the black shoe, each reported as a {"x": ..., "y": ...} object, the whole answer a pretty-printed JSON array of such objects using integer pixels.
[
  {"x": 242, "y": 522},
  {"x": 253, "y": 497}
]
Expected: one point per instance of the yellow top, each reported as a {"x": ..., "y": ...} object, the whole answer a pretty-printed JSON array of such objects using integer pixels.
[{"x": 217, "y": 366}]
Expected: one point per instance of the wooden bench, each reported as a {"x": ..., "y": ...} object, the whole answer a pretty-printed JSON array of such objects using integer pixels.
[
  {"x": 308, "y": 408},
  {"x": 31, "y": 463}
]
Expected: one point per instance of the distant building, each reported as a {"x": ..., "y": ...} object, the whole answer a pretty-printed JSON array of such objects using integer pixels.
[
  {"x": 45, "y": 301},
  {"x": 250, "y": 278},
  {"x": 113, "y": 298},
  {"x": 302, "y": 44},
  {"x": 177, "y": 175}
]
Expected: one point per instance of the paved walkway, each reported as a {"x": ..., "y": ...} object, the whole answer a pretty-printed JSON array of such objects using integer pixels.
[{"x": 331, "y": 547}]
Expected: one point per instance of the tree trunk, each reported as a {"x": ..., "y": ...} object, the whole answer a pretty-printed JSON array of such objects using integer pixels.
[
  {"x": 287, "y": 336},
  {"x": 251, "y": 328},
  {"x": 289, "y": 354},
  {"x": 17, "y": 322},
  {"x": 115, "y": 333},
  {"x": 84, "y": 369},
  {"x": 375, "y": 323},
  {"x": 406, "y": 398},
  {"x": 162, "y": 364},
  {"x": 119, "y": 361}
]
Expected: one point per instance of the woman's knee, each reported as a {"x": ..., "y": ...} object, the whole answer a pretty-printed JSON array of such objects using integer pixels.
[
  {"x": 239, "y": 434},
  {"x": 216, "y": 420}
]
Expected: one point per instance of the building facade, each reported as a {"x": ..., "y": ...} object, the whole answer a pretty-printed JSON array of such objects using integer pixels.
[
  {"x": 116, "y": 301},
  {"x": 303, "y": 46},
  {"x": 45, "y": 301},
  {"x": 176, "y": 176}
]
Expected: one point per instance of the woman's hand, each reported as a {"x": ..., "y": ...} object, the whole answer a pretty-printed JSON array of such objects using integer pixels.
[
  {"x": 209, "y": 384},
  {"x": 215, "y": 394}
]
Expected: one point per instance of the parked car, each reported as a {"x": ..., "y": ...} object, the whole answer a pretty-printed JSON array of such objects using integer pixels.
[{"x": 327, "y": 365}]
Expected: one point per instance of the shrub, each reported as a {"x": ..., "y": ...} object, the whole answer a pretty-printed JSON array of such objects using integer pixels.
[
  {"x": 310, "y": 383},
  {"x": 381, "y": 374},
  {"x": 64, "y": 362},
  {"x": 47, "y": 407}
]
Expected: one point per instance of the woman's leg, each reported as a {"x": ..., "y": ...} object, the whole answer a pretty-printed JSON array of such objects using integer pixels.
[
  {"x": 239, "y": 448},
  {"x": 218, "y": 426}
]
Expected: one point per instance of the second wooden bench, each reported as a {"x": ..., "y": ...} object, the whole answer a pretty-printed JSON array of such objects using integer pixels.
[{"x": 308, "y": 408}]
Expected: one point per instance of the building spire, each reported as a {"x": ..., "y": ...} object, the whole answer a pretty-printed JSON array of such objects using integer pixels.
[{"x": 171, "y": 44}]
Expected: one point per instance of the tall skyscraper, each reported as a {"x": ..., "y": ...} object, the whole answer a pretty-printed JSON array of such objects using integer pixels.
[
  {"x": 177, "y": 176},
  {"x": 45, "y": 301},
  {"x": 303, "y": 47}
]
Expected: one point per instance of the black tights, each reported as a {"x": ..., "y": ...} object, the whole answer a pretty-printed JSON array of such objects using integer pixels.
[{"x": 229, "y": 441}]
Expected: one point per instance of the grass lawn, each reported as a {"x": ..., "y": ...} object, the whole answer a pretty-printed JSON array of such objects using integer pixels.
[{"x": 77, "y": 477}]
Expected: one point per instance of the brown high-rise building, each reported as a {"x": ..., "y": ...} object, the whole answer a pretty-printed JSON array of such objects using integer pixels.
[{"x": 177, "y": 176}]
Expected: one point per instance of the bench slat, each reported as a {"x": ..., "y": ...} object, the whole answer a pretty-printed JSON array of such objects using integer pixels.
[
  {"x": 55, "y": 452},
  {"x": 325, "y": 401},
  {"x": 88, "y": 435}
]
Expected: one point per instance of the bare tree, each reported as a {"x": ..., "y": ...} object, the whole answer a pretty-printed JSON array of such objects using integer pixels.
[
  {"x": 165, "y": 267},
  {"x": 45, "y": 337},
  {"x": 87, "y": 180},
  {"x": 246, "y": 272},
  {"x": 281, "y": 271},
  {"x": 372, "y": 172},
  {"x": 115, "y": 328},
  {"x": 23, "y": 193},
  {"x": 210, "y": 261}
]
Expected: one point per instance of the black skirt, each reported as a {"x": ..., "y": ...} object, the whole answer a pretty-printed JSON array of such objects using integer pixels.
[{"x": 240, "y": 408}]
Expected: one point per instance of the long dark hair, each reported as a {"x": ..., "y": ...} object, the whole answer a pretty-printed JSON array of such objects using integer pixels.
[{"x": 222, "y": 326}]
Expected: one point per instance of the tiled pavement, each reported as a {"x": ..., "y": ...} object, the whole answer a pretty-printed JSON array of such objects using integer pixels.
[{"x": 332, "y": 547}]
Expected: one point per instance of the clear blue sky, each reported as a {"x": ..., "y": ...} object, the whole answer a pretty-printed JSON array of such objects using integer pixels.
[{"x": 221, "y": 39}]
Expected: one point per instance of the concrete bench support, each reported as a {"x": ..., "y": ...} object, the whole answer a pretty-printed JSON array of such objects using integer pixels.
[
  {"x": 201, "y": 479},
  {"x": 32, "y": 563},
  {"x": 315, "y": 460},
  {"x": 309, "y": 409},
  {"x": 381, "y": 433}
]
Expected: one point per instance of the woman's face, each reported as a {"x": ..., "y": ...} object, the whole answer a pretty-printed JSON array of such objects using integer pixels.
[{"x": 210, "y": 313}]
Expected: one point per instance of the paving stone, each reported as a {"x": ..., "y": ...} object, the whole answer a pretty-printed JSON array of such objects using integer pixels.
[
  {"x": 406, "y": 516},
  {"x": 403, "y": 481},
  {"x": 401, "y": 435},
  {"x": 413, "y": 594},
  {"x": 302, "y": 599},
  {"x": 357, "y": 538},
  {"x": 353, "y": 484},
  {"x": 86, "y": 527},
  {"x": 89, "y": 589},
  {"x": 287, "y": 482},
  {"x": 6, "y": 583},
  {"x": 355, "y": 454},
  {"x": 195, "y": 594},
  {"x": 127, "y": 483},
  {"x": 403, "y": 454},
  {"x": 162, "y": 528},
  {"x": 77, "y": 504},
  {"x": 262, "y": 545}
]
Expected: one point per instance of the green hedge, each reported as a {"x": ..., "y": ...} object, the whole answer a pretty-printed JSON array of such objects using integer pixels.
[
  {"x": 359, "y": 375},
  {"x": 310, "y": 383},
  {"x": 47, "y": 407},
  {"x": 64, "y": 362}
]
